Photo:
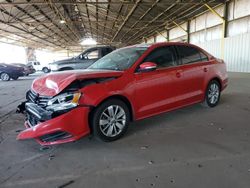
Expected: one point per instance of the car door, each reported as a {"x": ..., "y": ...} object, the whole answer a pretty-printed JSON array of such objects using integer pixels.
[
  {"x": 191, "y": 75},
  {"x": 155, "y": 90},
  {"x": 88, "y": 58}
]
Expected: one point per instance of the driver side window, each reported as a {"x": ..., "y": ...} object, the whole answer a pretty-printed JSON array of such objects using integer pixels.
[
  {"x": 162, "y": 56},
  {"x": 92, "y": 54}
]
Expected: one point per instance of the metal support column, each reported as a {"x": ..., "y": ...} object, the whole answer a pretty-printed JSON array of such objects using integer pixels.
[
  {"x": 30, "y": 54},
  {"x": 223, "y": 28},
  {"x": 162, "y": 35},
  {"x": 225, "y": 15},
  {"x": 168, "y": 39},
  {"x": 188, "y": 31}
]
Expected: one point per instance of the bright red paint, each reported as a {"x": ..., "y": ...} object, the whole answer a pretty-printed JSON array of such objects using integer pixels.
[
  {"x": 147, "y": 65},
  {"x": 149, "y": 93}
]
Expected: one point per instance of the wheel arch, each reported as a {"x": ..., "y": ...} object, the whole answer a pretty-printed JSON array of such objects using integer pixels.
[
  {"x": 216, "y": 78},
  {"x": 116, "y": 96}
]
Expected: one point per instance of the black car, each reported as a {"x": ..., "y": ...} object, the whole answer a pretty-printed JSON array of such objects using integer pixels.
[
  {"x": 82, "y": 61},
  {"x": 10, "y": 71}
]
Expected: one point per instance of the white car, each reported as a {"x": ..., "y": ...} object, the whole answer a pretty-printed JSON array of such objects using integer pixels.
[{"x": 38, "y": 67}]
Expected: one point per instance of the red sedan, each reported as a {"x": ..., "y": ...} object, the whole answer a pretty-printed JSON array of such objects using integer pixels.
[{"x": 128, "y": 84}]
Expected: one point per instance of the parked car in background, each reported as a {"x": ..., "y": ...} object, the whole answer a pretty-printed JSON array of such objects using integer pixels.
[
  {"x": 8, "y": 71},
  {"x": 82, "y": 61},
  {"x": 38, "y": 67},
  {"x": 28, "y": 69},
  {"x": 128, "y": 84}
]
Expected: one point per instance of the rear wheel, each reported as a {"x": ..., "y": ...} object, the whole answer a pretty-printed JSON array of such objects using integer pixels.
[
  {"x": 5, "y": 76},
  {"x": 45, "y": 69},
  {"x": 110, "y": 120},
  {"x": 212, "y": 97}
]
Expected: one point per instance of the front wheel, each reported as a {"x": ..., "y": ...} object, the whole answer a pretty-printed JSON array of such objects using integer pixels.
[
  {"x": 212, "y": 94},
  {"x": 110, "y": 120},
  {"x": 5, "y": 76}
]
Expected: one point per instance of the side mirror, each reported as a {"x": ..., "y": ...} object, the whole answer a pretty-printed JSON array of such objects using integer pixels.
[
  {"x": 147, "y": 67},
  {"x": 82, "y": 57}
]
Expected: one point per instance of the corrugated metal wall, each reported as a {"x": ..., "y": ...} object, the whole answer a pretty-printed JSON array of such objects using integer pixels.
[
  {"x": 206, "y": 32},
  {"x": 236, "y": 52}
]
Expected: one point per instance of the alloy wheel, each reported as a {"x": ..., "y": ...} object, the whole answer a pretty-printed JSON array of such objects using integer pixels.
[
  {"x": 5, "y": 77},
  {"x": 213, "y": 93},
  {"x": 112, "y": 121}
]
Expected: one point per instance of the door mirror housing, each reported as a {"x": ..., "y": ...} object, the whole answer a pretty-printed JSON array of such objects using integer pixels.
[{"x": 147, "y": 67}]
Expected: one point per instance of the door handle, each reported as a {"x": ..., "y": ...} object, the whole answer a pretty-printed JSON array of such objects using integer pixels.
[
  {"x": 178, "y": 73},
  {"x": 205, "y": 69}
]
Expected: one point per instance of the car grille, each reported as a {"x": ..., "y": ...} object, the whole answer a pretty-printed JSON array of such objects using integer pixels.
[
  {"x": 32, "y": 121},
  {"x": 33, "y": 97}
]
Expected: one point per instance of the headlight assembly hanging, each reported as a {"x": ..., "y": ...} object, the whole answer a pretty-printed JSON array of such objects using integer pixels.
[{"x": 64, "y": 101}]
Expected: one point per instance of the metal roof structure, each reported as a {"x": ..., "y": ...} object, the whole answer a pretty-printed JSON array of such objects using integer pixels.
[{"x": 62, "y": 24}]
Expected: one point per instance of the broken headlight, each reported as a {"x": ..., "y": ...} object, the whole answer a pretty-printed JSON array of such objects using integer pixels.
[{"x": 64, "y": 101}]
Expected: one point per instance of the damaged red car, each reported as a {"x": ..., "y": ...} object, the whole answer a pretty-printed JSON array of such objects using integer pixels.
[{"x": 128, "y": 84}]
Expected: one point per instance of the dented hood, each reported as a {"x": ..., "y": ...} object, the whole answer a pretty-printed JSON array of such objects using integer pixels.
[{"x": 54, "y": 83}]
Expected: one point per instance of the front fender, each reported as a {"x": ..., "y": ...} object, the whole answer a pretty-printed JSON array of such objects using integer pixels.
[{"x": 94, "y": 94}]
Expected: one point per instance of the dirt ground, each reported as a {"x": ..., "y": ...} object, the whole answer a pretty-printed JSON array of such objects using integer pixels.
[{"x": 191, "y": 147}]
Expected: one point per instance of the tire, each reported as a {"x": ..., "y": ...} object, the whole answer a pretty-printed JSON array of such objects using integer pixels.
[
  {"x": 15, "y": 77},
  {"x": 107, "y": 127},
  {"x": 212, "y": 95},
  {"x": 45, "y": 70},
  {"x": 5, "y": 76}
]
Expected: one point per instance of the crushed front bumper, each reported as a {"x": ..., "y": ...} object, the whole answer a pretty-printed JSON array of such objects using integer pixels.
[{"x": 49, "y": 130}]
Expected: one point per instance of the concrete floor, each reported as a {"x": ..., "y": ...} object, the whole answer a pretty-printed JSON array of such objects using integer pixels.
[{"x": 190, "y": 147}]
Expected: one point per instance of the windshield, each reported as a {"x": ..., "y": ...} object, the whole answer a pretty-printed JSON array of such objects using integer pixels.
[{"x": 120, "y": 59}]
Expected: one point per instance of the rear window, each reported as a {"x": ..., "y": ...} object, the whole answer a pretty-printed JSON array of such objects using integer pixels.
[{"x": 203, "y": 56}]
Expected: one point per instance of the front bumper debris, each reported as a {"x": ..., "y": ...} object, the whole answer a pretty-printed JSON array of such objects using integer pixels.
[
  {"x": 21, "y": 108},
  {"x": 38, "y": 112},
  {"x": 49, "y": 128}
]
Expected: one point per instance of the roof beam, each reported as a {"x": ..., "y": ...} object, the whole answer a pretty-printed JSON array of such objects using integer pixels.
[
  {"x": 152, "y": 21},
  {"x": 27, "y": 39},
  {"x": 68, "y": 14},
  {"x": 201, "y": 2},
  {"x": 162, "y": 26},
  {"x": 126, "y": 19},
  {"x": 21, "y": 29},
  {"x": 25, "y": 31},
  {"x": 153, "y": 5},
  {"x": 87, "y": 11},
  {"x": 49, "y": 19},
  {"x": 53, "y": 6},
  {"x": 38, "y": 21},
  {"x": 106, "y": 18}
]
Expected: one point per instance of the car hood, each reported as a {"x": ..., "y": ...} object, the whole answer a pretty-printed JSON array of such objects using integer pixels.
[
  {"x": 62, "y": 61},
  {"x": 54, "y": 83}
]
